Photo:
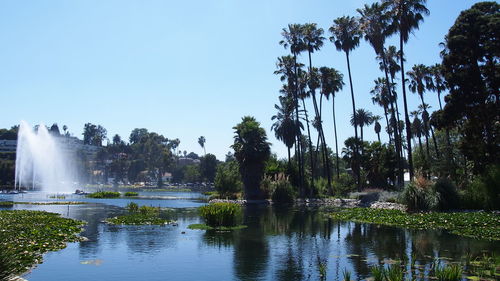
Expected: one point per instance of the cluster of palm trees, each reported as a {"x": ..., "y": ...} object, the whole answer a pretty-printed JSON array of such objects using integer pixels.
[{"x": 376, "y": 23}]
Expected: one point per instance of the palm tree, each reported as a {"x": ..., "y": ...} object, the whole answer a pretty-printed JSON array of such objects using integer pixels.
[
  {"x": 313, "y": 40},
  {"x": 285, "y": 126},
  {"x": 201, "y": 142},
  {"x": 375, "y": 26},
  {"x": 381, "y": 97},
  {"x": 293, "y": 39},
  {"x": 417, "y": 128},
  {"x": 377, "y": 126},
  {"x": 406, "y": 17},
  {"x": 345, "y": 35},
  {"x": 332, "y": 81},
  {"x": 362, "y": 118},
  {"x": 251, "y": 150},
  {"x": 438, "y": 83}
]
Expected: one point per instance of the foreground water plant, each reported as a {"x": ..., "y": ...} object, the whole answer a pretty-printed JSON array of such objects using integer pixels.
[
  {"x": 479, "y": 225},
  {"x": 26, "y": 235}
]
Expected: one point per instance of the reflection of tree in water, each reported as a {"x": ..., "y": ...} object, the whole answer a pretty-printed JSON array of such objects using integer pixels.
[
  {"x": 251, "y": 249},
  {"x": 142, "y": 239},
  {"x": 218, "y": 239},
  {"x": 291, "y": 265}
]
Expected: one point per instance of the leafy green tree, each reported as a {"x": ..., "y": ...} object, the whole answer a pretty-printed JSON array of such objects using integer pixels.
[
  {"x": 228, "y": 179},
  {"x": 208, "y": 167},
  {"x": 192, "y": 173},
  {"x": 472, "y": 72},
  {"x": 94, "y": 135},
  {"x": 9, "y": 134},
  {"x": 406, "y": 16},
  {"x": 345, "y": 35},
  {"x": 54, "y": 129},
  {"x": 137, "y": 134},
  {"x": 251, "y": 149}
]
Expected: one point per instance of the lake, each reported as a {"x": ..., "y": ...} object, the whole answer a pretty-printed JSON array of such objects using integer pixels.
[{"x": 279, "y": 244}]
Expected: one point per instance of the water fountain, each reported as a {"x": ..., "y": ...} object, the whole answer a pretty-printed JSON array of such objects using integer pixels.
[{"x": 42, "y": 162}]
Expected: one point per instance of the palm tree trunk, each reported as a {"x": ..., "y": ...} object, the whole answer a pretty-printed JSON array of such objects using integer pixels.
[
  {"x": 310, "y": 148},
  {"x": 336, "y": 141},
  {"x": 407, "y": 117},
  {"x": 434, "y": 141},
  {"x": 397, "y": 139},
  {"x": 388, "y": 125},
  {"x": 320, "y": 131},
  {"x": 378, "y": 137},
  {"x": 289, "y": 163},
  {"x": 400, "y": 131},
  {"x": 358, "y": 175},
  {"x": 298, "y": 144}
]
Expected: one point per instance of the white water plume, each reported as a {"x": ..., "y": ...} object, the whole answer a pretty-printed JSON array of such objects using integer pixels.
[{"x": 41, "y": 161}]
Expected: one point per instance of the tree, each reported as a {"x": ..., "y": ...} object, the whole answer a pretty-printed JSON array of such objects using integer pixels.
[
  {"x": 377, "y": 126},
  {"x": 285, "y": 126},
  {"x": 54, "y": 130},
  {"x": 137, "y": 134},
  {"x": 471, "y": 70},
  {"x": 94, "y": 135},
  {"x": 201, "y": 142},
  {"x": 228, "y": 179},
  {"x": 332, "y": 81},
  {"x": 406, "y": 16},
  {"x": 345, "y": 35},
  {"x": 362, "y": 118},
  {"x": 208, "y": 167},
  {"x": 251, "y": 150}
]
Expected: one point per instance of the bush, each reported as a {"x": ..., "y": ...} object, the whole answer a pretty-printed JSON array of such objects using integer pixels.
[
  {"x": 343, "y": 185},
  {"x": 132, "y": 207},
  {"x": 221, "y": 214},
  {"x": 228, "y": 179},
  {"x": 419, "y": 195},
  {"x": 320, "y": 189},
  {"x": 104, "y": 194},
  {"x": 484, "y": 191},
  {"x": 131, "y": 193},
  {"x": 447, "y": 194},
  {"x": 283, "y": 192}
]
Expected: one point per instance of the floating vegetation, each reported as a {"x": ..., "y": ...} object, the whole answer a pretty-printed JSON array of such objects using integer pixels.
[
  {"x": 479, "y": 225},
  {"x": 221, "y": 214},
  {"x": 26, "y": 235},
  {"x": 104, "y": 194},
  {"x": 12, "y": 203},
  {"x": 131, "y": 193},
  {"x": 143, "y": 215},
  {"x": 57, "y": 196}
]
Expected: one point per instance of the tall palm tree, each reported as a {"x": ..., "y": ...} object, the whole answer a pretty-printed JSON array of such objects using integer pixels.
[
  {"x": 406, "y": 17},
  {"x": 438, "y": 83},
  {"x": 374, "y": 23},
  {"x": 362, "y": 118},
  {"x": 381, "y": 97},
  {"x": 313, "y": 39},
  {"x": 345, "y": 35},
  {"x": 332, "y": 81},
  {"x": 201, "y": 142},
  {"x": 285, "y": 126},
  {"x": 377, "y": 127},
  {"x": 417, "y": 128}
]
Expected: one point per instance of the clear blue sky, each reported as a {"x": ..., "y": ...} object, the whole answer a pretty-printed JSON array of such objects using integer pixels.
[{"x": 179, "y": 68}]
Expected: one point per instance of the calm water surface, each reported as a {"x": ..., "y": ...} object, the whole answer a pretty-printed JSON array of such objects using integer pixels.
[{"x": 279, "y": 244}]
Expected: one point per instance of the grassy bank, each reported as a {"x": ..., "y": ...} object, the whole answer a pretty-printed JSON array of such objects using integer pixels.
[
  {"x": 12, "y": 203},
  {"x": 26, "y": 235},
  {"x": 479, "y": 225}
]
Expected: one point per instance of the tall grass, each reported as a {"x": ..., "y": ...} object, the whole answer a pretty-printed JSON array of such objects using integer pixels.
[{"x": 221, "y": 214}]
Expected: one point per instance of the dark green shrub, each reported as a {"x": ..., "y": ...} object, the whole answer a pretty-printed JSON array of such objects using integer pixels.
[
  {"x": 484, "y": 191},
  {"x": 132, "y": 207},
  {"x": 320, "y": 188},
  {"x": 104, "y": 194},
  {"x": 148, "y": 210},
  {"x": 283, "y": 192},
  {"x": 418, "y": 195},
  {"x": 447, "y": 193},
  {"x": 343, "y": 185},
  {"x": 221, "y": 214},
  {"x": 448, "y": 273},
  {"x": 131, "y": 193}
]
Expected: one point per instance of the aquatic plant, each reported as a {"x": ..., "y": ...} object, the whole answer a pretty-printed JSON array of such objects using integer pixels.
[
  {"x": 378, "y": 273},
  {"x": 448, "y": 273},
  {"x": 104, "y": 194},
  {"x": 26, "y": 235},
  {"x": 221, "y": 214},
  {"x": 141, "y": 215},
  {"x": 347, "y": 275},
  {"x": 394, "y": 273},
  {"x": 480, "y": 225},
  {"x": 131, "y": 193}
]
